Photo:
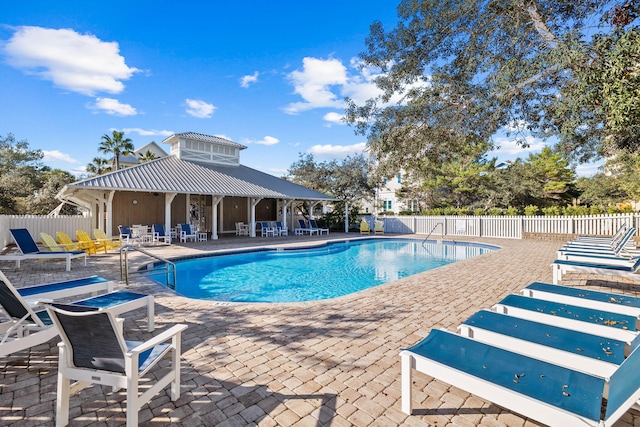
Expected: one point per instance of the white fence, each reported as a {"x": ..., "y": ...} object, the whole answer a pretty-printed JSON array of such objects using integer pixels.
[
  {"x": 505, "y": 227},
  {"x": 37, "y": 224},
  {"x": 508, "y": 227}
]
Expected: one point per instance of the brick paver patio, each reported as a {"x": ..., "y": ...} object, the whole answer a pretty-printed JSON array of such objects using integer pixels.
[{"x": 325, "y": 363}]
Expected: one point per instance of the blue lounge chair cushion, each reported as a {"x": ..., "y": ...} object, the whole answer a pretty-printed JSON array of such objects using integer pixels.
[
  {"x": 593, "y": 346},
  {"x": 111, "y": 299},
  {"x": 570, "y": 390},
  {"x": 601, "y": 317},
  {"x": 624, "y": 300},
  {"x": 52, "y": 287}
]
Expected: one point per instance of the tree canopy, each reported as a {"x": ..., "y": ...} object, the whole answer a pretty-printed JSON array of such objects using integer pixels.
[
  {"x": 466, "y": 69},
  {"x": 117, "y": 145}
]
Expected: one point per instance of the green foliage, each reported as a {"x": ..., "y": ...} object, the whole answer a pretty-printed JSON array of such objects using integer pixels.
[
  {"x": 467, "y": 69},
  {"x": 478, "y": 212},
  {"x": 494, "y": 211},
  {"x": 551, "y": 211},
  {"x": 346, "y": 180},
  {"x": 511, "y": 211},
  {"x": 98, "y": 166},
  {"x": 21, "y": 170},
  {"x": 531, "y": 210},
  {"x": 596, "y": 210},
  {"x": 571, "y": 210},
  {"x": 43, "y": 201},
  {"x": 116, "y": 145}
]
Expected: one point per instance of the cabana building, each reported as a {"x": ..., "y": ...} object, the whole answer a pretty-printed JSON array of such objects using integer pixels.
[{"x": 200, "y": 182}]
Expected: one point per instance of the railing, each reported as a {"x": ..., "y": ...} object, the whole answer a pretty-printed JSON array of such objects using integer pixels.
[
  {"x": 165, "y": 265},
  {"x": 441, "y": 224},
  {"x": 511, "y": 227}
]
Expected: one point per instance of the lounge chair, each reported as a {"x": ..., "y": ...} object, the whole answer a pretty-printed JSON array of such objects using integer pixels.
[
  {"x": 281, "y": 229},
  {"x": 93, "y": 351},
  {"x": 590, "y": 353},
  {"x": 29, "y": 250},
  {"x": 86, "y": 243},
  {"x": 595, "y": 321},
  {"x": 303, "y": 228},
  {"x": 559, "y": 267},
  {"x": 584, "y": 297},
  {"x": 109, "y": 242},
  {"x": 615, "y": 248},
  {"x": 27, "y": 327},
  {"x": 66, "y": 242},
  {"x": 187, "y": 233},
  {"x": 266, "y": 229},
  {"x": 314, "y": 225},
  {"x": 546, "y": 392},
  {"x": 364, "y": 227},
  {"x": 159, "y": 234},
  {"x": 602, "y": 240},
  {"x": 378, "y": 227}
]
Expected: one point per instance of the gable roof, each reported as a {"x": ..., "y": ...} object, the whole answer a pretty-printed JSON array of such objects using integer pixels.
[{"x": 173, "y": 175}]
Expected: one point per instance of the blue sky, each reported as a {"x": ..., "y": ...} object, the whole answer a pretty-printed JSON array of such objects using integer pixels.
[{"x": 269, "y": 75}]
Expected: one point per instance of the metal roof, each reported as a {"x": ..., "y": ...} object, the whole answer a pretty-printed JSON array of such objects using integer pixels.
[
  {"x": 194, "y": 136},
  {"x": 173, "y": 175}
]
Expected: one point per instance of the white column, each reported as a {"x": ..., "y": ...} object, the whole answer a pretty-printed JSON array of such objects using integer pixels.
[
  {"x": 109, "y": 222},
  {"x": 168, "y": 199},
  {"x": 254, "y": 203},
  {"x": 215, "y": 201}
]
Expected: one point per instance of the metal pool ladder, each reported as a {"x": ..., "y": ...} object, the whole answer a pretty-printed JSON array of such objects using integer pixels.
[
  {"x": 431, "y": 232},
  {"x": 162, "y": 264}
]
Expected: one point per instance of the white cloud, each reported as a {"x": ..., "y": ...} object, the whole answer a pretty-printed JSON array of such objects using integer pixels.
[
  {"x": 114, "y": 107},
  {"x": 200, "y": 109},
  {"x": 148, "y": 132},
  {"x": 508, "y": 146},
  {"x": 325, "y": 83},
  {"x": 57, "y": 156},
  {"x": 330, "y": 150},
  {"x": 334, "y": 118},
  {"x": 268, "y": 140},
  {"x": 80, "y": 63},
  {"x": 247, "y": 80},
  {"x": 314, "y": 84}
]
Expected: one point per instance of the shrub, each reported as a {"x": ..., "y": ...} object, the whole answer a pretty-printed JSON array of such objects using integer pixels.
[
  {"x": 478, "y": 211},
  {"x": 449, "y": 210},
  {"x": 494, "y": 211},
  {"x": 511, "y": 211},
  {"x": 531, "y": 210},
  {"x": 596, "y": 210},
  {"x": 612, "y": 209},
  {"x": 463, "y": 211},
  {"x": 626, "y": 208},
  {"x": 551, "y": 211}
]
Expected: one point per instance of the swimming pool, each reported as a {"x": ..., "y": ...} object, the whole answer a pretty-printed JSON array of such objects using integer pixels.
[{"x": 313, "y": 273}]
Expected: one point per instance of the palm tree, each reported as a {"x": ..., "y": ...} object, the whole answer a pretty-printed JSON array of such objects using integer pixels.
[
  {"x": 98, "y": 166},
  {"x": 116, "y": 145},
  {"x": 147, "y": 156}
]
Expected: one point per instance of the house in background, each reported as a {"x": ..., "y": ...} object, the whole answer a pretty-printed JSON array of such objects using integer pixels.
[
  {"x": 200, "y": 182},
  {"x": 386, "y": 200},
  {"x": 134, "y": 159}
]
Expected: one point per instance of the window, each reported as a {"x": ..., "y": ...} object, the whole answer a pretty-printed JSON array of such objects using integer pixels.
[{"x": 399, "y": 177}]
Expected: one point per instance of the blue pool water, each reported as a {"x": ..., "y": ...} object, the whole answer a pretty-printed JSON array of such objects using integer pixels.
[{"x": 328, "y": 271}]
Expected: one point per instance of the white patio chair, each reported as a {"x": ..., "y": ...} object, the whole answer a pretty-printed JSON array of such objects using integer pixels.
[{"x": 93, "y": 351}]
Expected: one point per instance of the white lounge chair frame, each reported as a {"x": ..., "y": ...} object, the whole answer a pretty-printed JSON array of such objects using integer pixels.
[{"x": 560, "y": 267}]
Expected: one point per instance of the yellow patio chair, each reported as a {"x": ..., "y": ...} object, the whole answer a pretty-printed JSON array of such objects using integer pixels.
[
  {"x": 109, "y": 242},
  {"x": 87, "y": 244},
  {"x": 49, "y": 242},
  {"x": 378, "y": 227},
  {"x": 65, "y": 241},
  {"x": 364, "y": 227}
]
